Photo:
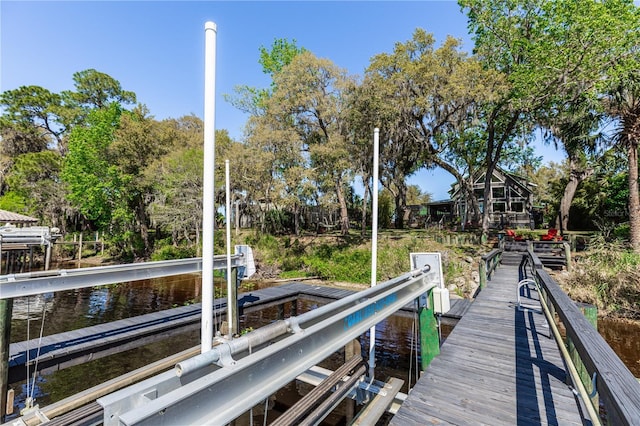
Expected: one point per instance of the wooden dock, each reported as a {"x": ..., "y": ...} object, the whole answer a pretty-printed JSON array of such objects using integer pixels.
[
  {"x": 499, "y": 366},
  {"x": 75, "y": 347}
]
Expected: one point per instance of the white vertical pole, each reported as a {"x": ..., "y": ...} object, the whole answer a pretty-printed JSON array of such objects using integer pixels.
[
  {"x": 374, "y": 245},
  {"x": 232, "y": 301},
  {"x": 208, "y": 198}
]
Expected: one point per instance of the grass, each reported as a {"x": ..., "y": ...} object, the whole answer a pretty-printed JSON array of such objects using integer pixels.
[{"x": 348, "y": 259}]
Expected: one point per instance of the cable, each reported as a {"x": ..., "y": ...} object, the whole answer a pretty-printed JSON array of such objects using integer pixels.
[
  {"x": 35, "y": 370},
  {"x": 27, "y": 402},
  {"x": 411, "y": 345}
]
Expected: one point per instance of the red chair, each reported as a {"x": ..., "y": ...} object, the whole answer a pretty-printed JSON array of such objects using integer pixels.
[
  {"x": 511, "y": 236},
  {"x": 552, "y": 235}
]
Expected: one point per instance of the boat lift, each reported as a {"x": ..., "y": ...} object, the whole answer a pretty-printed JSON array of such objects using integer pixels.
[{"x": 217, "y": 386}]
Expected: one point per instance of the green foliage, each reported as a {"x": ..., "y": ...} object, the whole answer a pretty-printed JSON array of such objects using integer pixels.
[
  {"x": 35, "y": 177},
  {"x": 168, "y": 251},
  {"x": 30, "y": 119},
  {"x": 95, "y": 89},
  {"x": 13, "y": 202},
  {"x": 346, "y": 264},
  {"x": 253, "y": 100},
  {"x": 608, "y": 276},
  {"x": 349, "y": 260},
  {"x": 95, "y": 185}
]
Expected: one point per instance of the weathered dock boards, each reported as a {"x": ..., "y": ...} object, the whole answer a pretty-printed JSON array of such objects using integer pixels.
[
  {"x": 497, "y": 367},
  {"x": 75, "y": 347}
]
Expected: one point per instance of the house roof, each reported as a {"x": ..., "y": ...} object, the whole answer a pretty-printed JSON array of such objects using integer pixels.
[
  {"x": 11, "y": 217},
  {"x": 519, "y": 180}
]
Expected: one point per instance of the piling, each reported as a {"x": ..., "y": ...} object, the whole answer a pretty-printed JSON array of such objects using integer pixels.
[
  {"x": 429, "y": 336},
  {"x": 6, "y": 310}
]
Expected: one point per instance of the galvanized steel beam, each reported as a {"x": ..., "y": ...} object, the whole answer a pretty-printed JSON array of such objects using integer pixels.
[
  {"x": 32, "y": 283},
  {"x": 243, "y": 377}
]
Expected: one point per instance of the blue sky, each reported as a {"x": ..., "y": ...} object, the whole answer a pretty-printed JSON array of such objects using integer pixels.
[{"x": 156, "y": 48}]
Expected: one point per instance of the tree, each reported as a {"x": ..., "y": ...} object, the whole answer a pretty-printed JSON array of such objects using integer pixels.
[
  {"x": 555, "y": 54},
  {"x": 94, "y": 184},
  {"x": 621, "y": 88},
  {"x": 35, "y": 178},
  {"x": 251, "y": 99},
  {"x": 174, "y": 177},
  {"x": 415, "y": 196},
  {"x": 30, "y": 120},
  {"x": 95, "y": 89},
  {"x": 309, "y": 100},
  {"x": 431, "y": 98},
  {"x": 278, "y": 177},
  {"x": 137, "y": 142},
  {"x": 578, "y": 132}
]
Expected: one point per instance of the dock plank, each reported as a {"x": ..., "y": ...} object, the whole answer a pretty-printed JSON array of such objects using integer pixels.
[{"x": 497, "y": 367}]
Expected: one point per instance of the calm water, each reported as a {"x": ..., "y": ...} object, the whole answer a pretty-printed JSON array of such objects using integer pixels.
[{"x": 64, "y": 311}]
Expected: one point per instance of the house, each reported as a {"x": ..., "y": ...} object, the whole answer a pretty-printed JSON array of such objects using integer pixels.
[{"x": 511, "y": 202}]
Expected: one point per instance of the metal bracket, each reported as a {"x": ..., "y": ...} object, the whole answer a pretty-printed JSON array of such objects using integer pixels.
[{"x": 594, "y": 390}]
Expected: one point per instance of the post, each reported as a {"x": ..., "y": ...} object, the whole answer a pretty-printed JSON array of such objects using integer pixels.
[
  {"x": 80, "y": 248},
  {"x": 351, "y": 349},
  {"x": 374, "y": 245},
  {"x": 567, "y": 254},
  {"x": 208, "y": 204},
  {"x": 234, "y": 317},
  {"x": 429, "y": 337},
  {"x": 6, "y": 310},
  {"x": 47, "y": 256},
  {"x": 483, "y": 273},
  {"x": 232, "y": 277},
  {"x": 280, "y": 315}
]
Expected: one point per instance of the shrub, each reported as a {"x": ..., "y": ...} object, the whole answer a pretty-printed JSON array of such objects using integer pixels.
[
  {"x": 608, "y": 276},
  {"x": 169, "y": 252}
]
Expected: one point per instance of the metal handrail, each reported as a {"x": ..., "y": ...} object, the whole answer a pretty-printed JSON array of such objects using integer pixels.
[{"x": 618, "y": 389}]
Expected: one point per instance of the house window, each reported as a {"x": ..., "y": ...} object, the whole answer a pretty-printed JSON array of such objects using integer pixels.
[
  {"x": 500, "y": 207},
  {"x": 517, "y": 206},
  {"x": 479, "y": 193},
  {"x": 497, "y": 192}
]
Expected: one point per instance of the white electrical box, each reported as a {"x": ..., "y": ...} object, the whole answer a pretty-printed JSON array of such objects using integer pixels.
[{"x": 441, "y": 302}]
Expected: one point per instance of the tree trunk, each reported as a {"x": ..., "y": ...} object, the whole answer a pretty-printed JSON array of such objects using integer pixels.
[
  {"x": 296, "y": 219},
  {"x": 400, "y": 199},
  {"x": 634, "y": 195},
  {"x": 142, "y": 219},
  {"x": 576, "y": 176},
  {"x": 488, "y": 207},
  {"x": 367, "y": 189},
  {"x": 344, "y": 213},
  {"x": 494, "y": 150}
]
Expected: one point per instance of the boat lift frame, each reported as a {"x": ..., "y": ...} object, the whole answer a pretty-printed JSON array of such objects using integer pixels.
[
  {"x": 32, "y": 283},
  {"x": 217, "y": 386}
]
